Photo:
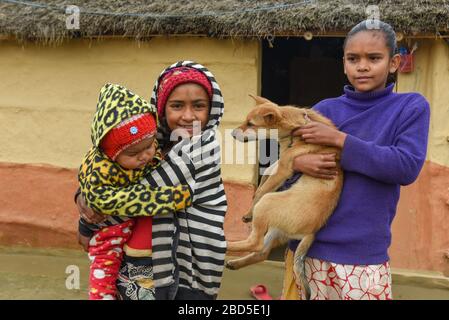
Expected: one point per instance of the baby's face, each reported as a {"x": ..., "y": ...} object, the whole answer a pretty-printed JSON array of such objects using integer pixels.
[{"x": 138, "y": 155}]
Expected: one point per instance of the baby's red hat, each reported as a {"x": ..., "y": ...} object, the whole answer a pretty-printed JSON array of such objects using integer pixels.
[{"x": 127, "y": 133}]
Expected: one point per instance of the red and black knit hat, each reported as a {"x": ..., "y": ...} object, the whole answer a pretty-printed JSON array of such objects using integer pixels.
[
  {"x": 127, "y": 133},
  {"x": 175, "y": 77}
]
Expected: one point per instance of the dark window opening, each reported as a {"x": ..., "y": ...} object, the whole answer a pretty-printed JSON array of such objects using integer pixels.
[{"x": 300, "y": 72}]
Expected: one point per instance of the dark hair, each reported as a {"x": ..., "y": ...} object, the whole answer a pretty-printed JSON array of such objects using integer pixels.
[{"x": 385, "y": 29}]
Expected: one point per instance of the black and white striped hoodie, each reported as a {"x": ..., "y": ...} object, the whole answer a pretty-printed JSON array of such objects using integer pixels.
[{"x": 189, "y": 246}]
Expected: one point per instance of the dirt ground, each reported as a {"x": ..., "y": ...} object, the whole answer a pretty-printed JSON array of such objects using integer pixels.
[{"x": 30, "y": 273}]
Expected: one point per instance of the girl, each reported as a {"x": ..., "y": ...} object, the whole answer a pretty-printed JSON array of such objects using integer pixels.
[
  {"x": 383, "y": 137},
  {"x": 188, "y": 248}
]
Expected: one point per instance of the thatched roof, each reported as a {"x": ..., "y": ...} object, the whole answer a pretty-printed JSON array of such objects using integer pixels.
[{"x": 45, "y": 20}]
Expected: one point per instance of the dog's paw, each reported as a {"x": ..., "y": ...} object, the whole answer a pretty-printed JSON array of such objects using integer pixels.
[
  {"x": 248, "y": 217},
  {"x": 230, "y": 265}
]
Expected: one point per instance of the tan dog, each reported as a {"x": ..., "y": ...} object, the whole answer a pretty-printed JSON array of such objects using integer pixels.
[{"x": 299, "y": 212}]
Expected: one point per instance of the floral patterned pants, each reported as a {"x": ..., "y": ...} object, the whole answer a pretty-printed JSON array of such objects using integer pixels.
[{"x": 332, "y": 281}]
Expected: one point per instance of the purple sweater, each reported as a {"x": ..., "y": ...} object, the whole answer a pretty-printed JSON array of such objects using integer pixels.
[{"x": 385, "y": 148}]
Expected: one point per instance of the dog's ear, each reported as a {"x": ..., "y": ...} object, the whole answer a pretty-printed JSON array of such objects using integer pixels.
[
  {"x": 259, "y": 100},
  {"x": 312, "y": 115},
  {"x": 306, "y": 116},
  {"x": 270, "y": 115}
]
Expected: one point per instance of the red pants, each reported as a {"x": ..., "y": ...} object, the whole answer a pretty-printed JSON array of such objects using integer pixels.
[{"x": 106, "y": 252}]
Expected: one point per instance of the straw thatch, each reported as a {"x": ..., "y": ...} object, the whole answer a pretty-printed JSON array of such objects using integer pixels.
[{"x": 45, "y": 20}]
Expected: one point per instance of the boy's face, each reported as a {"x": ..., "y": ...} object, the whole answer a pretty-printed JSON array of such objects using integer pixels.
[
  {"x": 367, "y": 61},
  {"x": 187, "y": 103},
  {"x": 138, "y": 155}
]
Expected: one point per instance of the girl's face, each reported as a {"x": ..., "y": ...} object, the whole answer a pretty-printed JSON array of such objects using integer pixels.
[
  {"x": 137, "y": 155},
  {"x": 367, "y": 61},
  {"x": 187, "y": 103}
]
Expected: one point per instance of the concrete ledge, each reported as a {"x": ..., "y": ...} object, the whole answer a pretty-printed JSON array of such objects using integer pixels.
[
  {"x": 407, "y": 284},
  {"x": 421, "y": 278}
]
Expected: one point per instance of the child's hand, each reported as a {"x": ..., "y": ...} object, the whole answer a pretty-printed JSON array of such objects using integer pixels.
[
  {"x": 83, "y": 241},
  {"x": 319, "y": 133},
  {"x": 87, "y": 213},
  {"x": 322, "y": 166}
]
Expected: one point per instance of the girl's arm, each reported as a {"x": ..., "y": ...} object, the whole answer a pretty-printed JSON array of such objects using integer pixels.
[
  {"x": 88, "y": 221},
  {"x": 399, "y": 163}
]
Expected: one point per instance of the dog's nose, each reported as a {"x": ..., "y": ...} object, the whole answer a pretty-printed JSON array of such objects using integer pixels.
[
  {"x": 242, "y": 136},
  {"x": 239, "y": 135}
]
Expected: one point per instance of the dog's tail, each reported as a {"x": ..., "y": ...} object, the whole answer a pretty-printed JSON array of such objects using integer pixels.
[{"x": 299, "y": 263}]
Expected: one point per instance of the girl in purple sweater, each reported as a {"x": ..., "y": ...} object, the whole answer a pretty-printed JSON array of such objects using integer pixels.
[{"x": 383, "y": 137}]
